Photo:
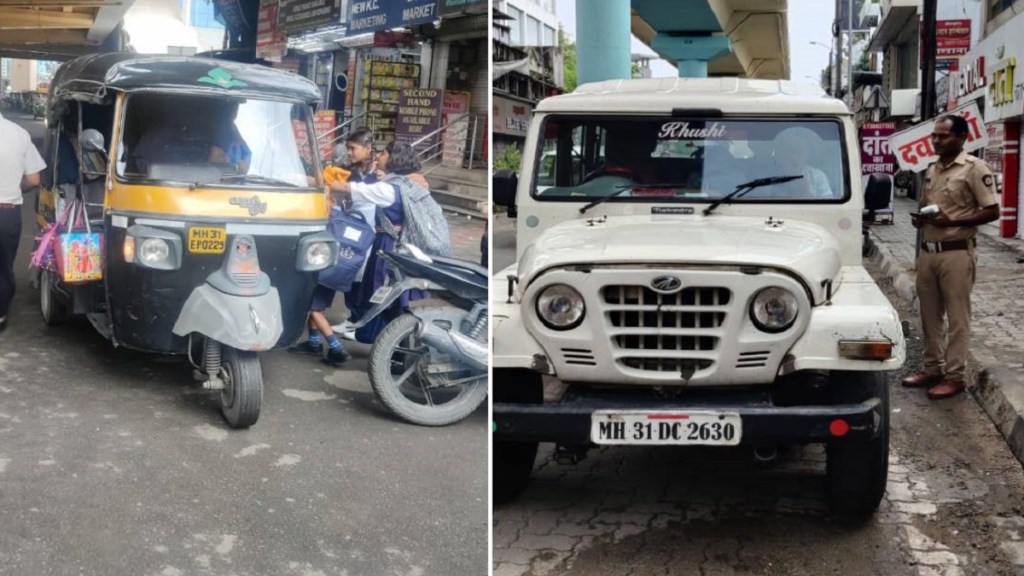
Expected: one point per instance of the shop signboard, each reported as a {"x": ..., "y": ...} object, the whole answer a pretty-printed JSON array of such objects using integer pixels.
[
  {"x": 994, "y": 151},
  {"x": 511, "y": 117},
  {"x": 301, "y": 15},
  {"x": 875, "y": 155},
  {"x": 448, "y": 7},
  {"x": 952, "y": 40},
  {"x": 454, "y": 107},
  {"x": 989, "y": 69},
  {"x": 366, "y": 16},
  {"x": 419, "y": 113},
  {"x": 323, "y": 122},
  {"x": 270, "y": 43},
  {"x": 913, "y": 146}
]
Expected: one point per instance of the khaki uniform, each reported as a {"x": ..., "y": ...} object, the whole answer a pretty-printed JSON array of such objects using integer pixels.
[{"x": 946, "y": 269}]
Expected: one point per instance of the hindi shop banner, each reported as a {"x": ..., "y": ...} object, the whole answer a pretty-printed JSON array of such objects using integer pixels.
[
  {"x": 913, "y": 146},
  {"x": 875, "y": 155},
  {"x": 952, "y": 40},
  {"x": 372, "y": 15},
  {"x": 419, "y": 113}
]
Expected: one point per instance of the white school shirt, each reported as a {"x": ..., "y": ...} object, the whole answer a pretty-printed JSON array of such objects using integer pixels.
[{"x": 18, "y": 157}]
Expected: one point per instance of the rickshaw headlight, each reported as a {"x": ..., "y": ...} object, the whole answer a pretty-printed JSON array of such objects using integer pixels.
[
  {"x": 318, "y": 255},
  {"x": 129, "y": 249},
  {"x": 154, "y": 251},
  {"x": 316, "y": 252}
]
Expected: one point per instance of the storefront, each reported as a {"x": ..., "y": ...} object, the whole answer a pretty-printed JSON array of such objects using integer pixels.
[
  {"x": 986, "y": 74},
  {"x": 511, "y": 120}
]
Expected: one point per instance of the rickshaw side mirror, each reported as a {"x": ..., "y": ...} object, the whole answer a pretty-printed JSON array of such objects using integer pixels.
[{"x": 92, "y": 140}]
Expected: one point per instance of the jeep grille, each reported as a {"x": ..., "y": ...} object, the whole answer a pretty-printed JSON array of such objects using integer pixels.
[{"x": 684, "y": 325}]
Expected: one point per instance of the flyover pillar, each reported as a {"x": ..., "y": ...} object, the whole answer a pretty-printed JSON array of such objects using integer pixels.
[
  {"x": 691, "y": 53},
  {"x": 603, "y": 40}
]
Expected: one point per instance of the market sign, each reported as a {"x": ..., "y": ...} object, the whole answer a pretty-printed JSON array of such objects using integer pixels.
[
  {"x": 419, "y": 113},
  {"x": 271, "y": 44},
  {"x": 372, "y": 15},
  {"x": 987, "y": 71},
  {"x": 511, "y": 117},
  {"x": 449, "y": 7},
  {"x": 875, "y": 155},
  {"x": 952, "y": 40},
  {"x": 913, "y": 146},
  {"x": 302, "y": 15}
]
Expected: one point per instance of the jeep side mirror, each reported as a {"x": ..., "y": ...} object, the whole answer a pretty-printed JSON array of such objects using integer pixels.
[
  {"x": 878, "y": 194},
  {"x": 505, "y": 183}
]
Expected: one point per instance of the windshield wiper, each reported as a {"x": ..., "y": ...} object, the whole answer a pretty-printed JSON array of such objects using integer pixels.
[
  {"x": 747, "y": 187},
  {"x": 252, "y": 178},
  {"x": 625, "y": 187}
]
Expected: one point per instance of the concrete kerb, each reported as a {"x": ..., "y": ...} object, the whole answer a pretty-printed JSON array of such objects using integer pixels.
[{"x": 998, "y": 391}]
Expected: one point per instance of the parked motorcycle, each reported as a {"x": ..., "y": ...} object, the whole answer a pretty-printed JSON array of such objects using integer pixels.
[{"x": 429, "y": 365}]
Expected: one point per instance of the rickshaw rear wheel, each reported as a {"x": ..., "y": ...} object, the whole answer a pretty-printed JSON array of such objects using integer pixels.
[
  {"x": 53, "y": 309},
  {"x": 242, "y": 395}
]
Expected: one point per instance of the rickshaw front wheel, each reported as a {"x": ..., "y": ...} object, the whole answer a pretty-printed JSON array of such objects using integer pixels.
[
  {"x": 53, "y": 309},
  {"x": 242, "y": 395}
]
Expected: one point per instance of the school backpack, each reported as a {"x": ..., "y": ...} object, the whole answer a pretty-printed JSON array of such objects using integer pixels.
[
  {"x": 355, "y": 239},
  {"x": 424, "y": 224}
]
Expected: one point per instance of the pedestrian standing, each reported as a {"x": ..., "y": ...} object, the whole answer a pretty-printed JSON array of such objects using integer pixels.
[
  {"x": 963, "y": 189},
  {"x": 20, "y": 165}
]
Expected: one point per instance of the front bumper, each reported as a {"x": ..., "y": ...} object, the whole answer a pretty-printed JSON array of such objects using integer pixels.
[{"x": 569, "y": 421}]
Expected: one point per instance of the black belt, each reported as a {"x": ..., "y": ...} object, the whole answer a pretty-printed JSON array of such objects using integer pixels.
[
  {"x": 948, "y": 245},
  {"x": 4, "y": 206}
]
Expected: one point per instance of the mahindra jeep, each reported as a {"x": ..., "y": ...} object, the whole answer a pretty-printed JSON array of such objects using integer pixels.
[{"x": 689, "y": 273}]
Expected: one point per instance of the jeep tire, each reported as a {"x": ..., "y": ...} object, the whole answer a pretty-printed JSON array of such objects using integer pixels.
[
  {"x": 513, "y": 461},
  {"x": 857, "y": 471}
]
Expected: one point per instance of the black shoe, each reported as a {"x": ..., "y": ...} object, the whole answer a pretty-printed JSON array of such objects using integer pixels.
[
  {"x": 307, "y": 348},
  {"x": 335, "y": 357}
]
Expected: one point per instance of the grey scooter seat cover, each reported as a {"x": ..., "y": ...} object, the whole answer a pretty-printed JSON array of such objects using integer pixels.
[{"x": 242, "y": 322}]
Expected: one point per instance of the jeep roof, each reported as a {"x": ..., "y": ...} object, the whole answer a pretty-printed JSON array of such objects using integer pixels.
[{"x": 730, "y": 95}]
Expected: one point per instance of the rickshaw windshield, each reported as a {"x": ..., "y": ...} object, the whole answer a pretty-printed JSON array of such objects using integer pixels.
[{"x": 216, "y": 141}]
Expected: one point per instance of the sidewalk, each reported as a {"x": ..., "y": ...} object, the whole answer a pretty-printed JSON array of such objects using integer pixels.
[{"x": 996, "y": 372}]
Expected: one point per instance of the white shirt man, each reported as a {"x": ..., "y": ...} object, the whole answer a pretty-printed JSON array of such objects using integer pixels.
[{"x": 20, "y": 165}]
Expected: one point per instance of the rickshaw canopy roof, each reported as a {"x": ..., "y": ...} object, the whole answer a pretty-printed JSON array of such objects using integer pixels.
[{"x": 97, "y": 77}]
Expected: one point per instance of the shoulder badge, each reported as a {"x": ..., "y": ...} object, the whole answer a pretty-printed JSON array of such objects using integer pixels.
[{"x": 987, "y": 180}]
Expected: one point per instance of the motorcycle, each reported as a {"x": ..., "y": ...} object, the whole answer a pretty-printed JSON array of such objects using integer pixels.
[{"x": 429, "y": 365}]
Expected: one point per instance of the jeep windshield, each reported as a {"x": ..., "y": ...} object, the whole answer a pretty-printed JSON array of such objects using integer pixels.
[
  {"x": 216, "y": 141},
  {"x": 696, "y": 160}
]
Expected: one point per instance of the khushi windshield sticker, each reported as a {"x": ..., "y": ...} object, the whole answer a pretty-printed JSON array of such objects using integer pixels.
[
  {"x": 684, "y": 131},
  {"x": 222, "y": 78}
]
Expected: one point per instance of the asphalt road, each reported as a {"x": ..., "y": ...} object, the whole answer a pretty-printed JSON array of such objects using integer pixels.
[
  {"x": 953, "y": 505},
  {"x": 113, "y": 462}
]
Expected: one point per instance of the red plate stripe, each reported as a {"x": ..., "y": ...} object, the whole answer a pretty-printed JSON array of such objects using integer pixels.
[{"x": 668, "y": 416}]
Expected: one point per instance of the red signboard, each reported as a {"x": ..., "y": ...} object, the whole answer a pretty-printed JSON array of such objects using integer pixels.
[
  {"x": 952, "y": 40},
  {"x": 875, "y": 155},
  {"x": 323, "y": 122}
]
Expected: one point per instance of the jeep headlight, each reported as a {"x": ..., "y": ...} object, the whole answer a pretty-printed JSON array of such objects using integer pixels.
[
  {"x": 318, "y": 255},
  {"x": 153, "y": 252},
  {"x": 774, "y": 309},
  {"x": 560, "y": 307}
]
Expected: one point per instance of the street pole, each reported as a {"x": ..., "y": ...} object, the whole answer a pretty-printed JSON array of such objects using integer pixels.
[
  {"x": 849, "y": 55},
  {"x": 927, "y": 93},
  {"x": 837, "y": 67}
]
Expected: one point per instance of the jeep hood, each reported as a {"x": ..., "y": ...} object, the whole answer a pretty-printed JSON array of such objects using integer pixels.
[{"x": 802, "y": 249}]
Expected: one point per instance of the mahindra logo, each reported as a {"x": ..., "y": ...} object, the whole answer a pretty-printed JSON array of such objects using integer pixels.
[
  {"x": 253, "y": 204},
  {"x": 666, "y": 284}
]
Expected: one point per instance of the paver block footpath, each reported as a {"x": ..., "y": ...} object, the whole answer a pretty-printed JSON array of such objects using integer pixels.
[{"x": 995, "y": 372}]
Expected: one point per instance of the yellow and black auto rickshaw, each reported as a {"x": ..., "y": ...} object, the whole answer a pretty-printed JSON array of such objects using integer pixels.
[{"x": 199, "y": 176}]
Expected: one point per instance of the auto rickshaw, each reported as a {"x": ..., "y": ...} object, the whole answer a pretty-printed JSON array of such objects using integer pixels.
[{"x": 199, "y": 176}]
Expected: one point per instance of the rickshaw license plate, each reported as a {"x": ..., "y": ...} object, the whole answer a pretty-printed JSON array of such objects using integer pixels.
[
  {"x": 380, "y": 294},
  {"x": 669, "y": 428},
  {"x": 206, "y": 240}
]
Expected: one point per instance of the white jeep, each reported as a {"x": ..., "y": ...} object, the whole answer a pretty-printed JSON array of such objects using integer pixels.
[{"x": 690, "y": 274}]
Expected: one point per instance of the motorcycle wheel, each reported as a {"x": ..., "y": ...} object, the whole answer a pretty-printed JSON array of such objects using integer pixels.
[
  {"x": 242, "y": 395},
  {"x": 51, "y": 306},
  {"x": 400, "y": 376}
]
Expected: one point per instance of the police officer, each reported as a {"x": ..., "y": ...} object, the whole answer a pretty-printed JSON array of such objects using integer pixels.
[{"x": 963, "y": 188}]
